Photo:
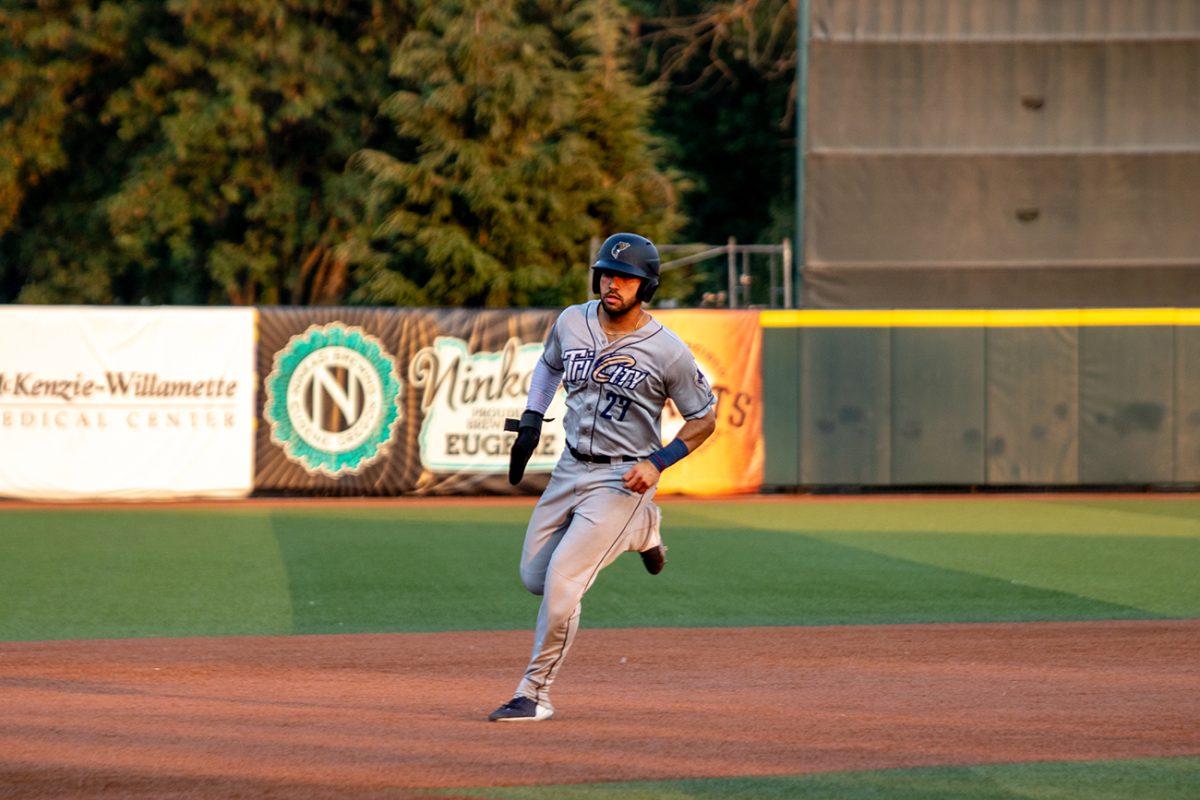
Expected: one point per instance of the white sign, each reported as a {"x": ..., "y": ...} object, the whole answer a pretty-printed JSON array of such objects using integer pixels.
[
  {"x": 465, "y": 398},
  {"x": 126, "y": 402}
]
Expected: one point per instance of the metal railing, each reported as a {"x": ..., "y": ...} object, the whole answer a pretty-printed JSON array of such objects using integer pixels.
[{"x": 745, "y": 286}]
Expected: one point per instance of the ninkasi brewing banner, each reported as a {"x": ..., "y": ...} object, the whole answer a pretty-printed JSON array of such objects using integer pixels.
[
  {"x": 126, "y": 402},
  {"x": 389, "y": 401},
  {"x": 412, "y": 401}
]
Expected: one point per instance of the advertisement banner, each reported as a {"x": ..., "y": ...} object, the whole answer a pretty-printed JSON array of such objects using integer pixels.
[
  {"x": 398, "y": 401},
  {"x": 126, "y": 403},
  {"x": 413, "y": 401},
  {"x": 728, "y": 349}
]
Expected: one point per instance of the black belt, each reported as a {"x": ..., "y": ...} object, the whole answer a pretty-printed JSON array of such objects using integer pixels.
[{"x": 599, "y": 459}]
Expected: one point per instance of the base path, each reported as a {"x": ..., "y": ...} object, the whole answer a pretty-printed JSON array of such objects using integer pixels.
[{"x": 383, "y": 715}]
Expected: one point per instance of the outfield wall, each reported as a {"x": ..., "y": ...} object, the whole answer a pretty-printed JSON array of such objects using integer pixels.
[
  {"x": 131, "y": 403},
  {"x": 982, "y": 398},
  {"x": 144, "y": 403},
  {"x": 126, "y": 403},
  {"x": 447, "y": 379}
]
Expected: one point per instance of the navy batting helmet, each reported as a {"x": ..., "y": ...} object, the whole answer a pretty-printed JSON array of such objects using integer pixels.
[{"x": 628, "y": 254}]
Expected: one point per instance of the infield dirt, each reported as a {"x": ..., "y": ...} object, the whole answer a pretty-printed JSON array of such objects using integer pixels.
[{"x": 385, "y": 715}]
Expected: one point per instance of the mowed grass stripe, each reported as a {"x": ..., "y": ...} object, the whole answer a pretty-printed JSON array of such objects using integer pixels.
[
  {"x": 750, "y": 577},
  {"x": 347, "y": 574},
  {"x": 973, "y": 536},
  {"x": 163, "y": 572},
  {"x": 115, "y": 573},
  {"x": 1144, "y": 779},
  {"x": 1160, "y": 580},
  {"x": 1140, "y": 516}
]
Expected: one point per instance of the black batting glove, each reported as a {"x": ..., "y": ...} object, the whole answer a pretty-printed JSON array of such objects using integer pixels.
[{"x": 529, "y": 433}]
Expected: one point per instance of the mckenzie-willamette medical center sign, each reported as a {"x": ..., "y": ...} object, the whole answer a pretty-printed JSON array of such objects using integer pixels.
[
  {"x": 131, "y": 403},
  {"x": 29, "y": 401}
]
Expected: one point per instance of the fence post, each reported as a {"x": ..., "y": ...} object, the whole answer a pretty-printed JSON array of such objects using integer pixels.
[
  {"x": 773, "y": 300},
  {"x": 731, "y": 266},
  {"x": 745, "y": 279},
  {"x": 803, "y": 25},
  {"x": 787, "y": 273}
]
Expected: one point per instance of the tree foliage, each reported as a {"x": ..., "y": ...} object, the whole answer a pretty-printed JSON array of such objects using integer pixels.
[
  {"x": 59, "y": 61},
  {"x": 195, "y": 151},
  {"x": 521, "y": 136},
  {"x": 727, "y": 70},
  {"x": 242, "y": 129},
  {"x": 197, "y": 147}
]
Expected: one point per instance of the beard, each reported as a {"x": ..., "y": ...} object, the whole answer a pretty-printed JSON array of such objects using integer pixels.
[{"x": 622, "y": 308}]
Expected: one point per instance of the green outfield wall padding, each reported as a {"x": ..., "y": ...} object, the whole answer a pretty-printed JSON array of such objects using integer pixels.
[
  {"x": 937, "y": 407},
  {"x": 1113, "y": 400},
  {"x": 781, "y": 405},
  {"x": 845, "y": 406},
  {"x": 1126, "y": 405},
  {"x": 1187, "y": 404},
  {"x": 1032, "y": 377}
]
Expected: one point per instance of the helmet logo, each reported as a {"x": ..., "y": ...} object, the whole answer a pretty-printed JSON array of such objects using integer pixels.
[{"x": 619, "y": 248}]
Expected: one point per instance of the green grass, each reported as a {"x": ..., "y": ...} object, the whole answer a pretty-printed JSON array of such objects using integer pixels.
[
  {"x": 1143, "y": 779},
  {"x": 72, "y": 573}
]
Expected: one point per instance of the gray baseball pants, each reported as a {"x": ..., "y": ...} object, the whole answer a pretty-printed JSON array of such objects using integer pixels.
[{"x": 583, "y": 521}]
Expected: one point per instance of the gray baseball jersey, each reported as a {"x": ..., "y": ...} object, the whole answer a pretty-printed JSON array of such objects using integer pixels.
[
  {"x": 616, "y": 390},
  {"x": 586, "y": 517}
]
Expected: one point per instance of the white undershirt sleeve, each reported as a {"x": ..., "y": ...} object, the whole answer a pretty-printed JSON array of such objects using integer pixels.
[{"x": 542, "y": 387}]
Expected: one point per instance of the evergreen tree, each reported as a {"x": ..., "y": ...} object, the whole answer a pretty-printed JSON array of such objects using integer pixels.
[
  {"x": 59, "y": 62},
  {"x": 187, "y": 151},
  {"x": 629, "y": 191},
  {"x": 193, "y": 151},
  {"x": 242, "y": 130},
  {"x": 521, "y": 137}
]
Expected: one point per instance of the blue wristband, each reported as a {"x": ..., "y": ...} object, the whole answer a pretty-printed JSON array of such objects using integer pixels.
[{"x": 668, "y": 455}]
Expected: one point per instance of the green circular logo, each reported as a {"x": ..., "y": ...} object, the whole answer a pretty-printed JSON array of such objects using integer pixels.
[{"x": 333, "y": 399}]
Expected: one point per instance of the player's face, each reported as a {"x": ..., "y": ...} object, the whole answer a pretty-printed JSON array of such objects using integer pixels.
[{"x": 618, "y": 292}]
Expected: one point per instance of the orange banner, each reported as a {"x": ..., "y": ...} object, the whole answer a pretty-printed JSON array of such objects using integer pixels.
[{"x": 728, "y": 349}]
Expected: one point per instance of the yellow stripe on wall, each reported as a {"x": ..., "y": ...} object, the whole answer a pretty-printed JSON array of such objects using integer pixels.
[{"x": 981, "y": 318}]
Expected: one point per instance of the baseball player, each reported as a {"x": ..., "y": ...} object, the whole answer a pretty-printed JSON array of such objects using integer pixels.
[{"x": 619, "y": 366}]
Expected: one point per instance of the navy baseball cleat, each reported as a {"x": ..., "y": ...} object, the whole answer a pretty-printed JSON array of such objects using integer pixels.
[
  {"x": 520, "y": 709},
  {"x": 654, "y": 559}
]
